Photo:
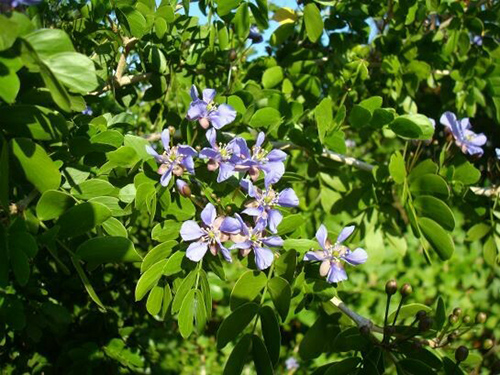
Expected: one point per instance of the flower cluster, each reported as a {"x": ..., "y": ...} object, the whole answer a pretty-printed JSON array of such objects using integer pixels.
[{"x": 232, "y": 158}]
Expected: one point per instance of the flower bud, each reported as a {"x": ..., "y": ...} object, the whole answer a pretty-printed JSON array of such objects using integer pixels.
[
  {"x": 406, "y": 290},
  {"x": 171, "y": 130},
  {"x": 481, "y": 318},
  {"x": 183, "y": 188},
  {"x": 391, "y": 287},
  {"x": 425, "y": 324},
  {"x": 488, "y": 344},
  {"x": 461, "y": 353},
  {"x": 232, "y": 54},
  {"x": 466, "y": 319},
  {"x": 420, "y": 314},
  {"x": 452, "y": 319},
  {"x": 457, "y": 311}
]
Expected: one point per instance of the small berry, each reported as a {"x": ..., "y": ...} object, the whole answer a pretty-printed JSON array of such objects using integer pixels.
[
  {"x": 421, "y": 314},
  {"x": 461, "y": 353},
  {"x": 481, "y": 318},
  {"x": 457, "y": 311},
  {"x": 466, "y": 319},
  {"x": 453, "y": 319},
  {"x": 488, "y": 344},
  {"x": 425, "y": 324},
  {"x": 232, "y": 54}
]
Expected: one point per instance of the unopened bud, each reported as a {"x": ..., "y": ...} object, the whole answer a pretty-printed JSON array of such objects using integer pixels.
[
  {"x": 461, "y": 353},
  {"x": 466, "y": 319},
  {"x": 421, "y": 314},
  {"x": 406, "y": 290},
  {"x": 452, "y": 319},
  {"x": 425, "y": 324},
  {"x": 183, "y": 188},
  {"x": 391, "y": 287},
  {"x": 232, "y": 54},
  {"x": 481, "y": 318},
  {"x": 171, "y": 130},
  {"x": 488, "y": 344},
  {"x": 457, "y": 311}
]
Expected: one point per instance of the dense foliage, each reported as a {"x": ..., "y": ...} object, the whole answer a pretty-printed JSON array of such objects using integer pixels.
[{"x": 172, "y": 201}]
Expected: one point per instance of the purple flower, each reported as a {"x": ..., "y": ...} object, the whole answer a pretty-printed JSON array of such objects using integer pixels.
[
  {"x": 468, "y": 141},
  {"x": 222, "y": 157},
  {"x": 87, "y": 111},
  {"x": 254, "y": 35},
  {"x": 214, "y": 231},
  {"x": 15, "y": 3},
  {"x": 477, "y": 40},
  {"x": 207, "y": 112},
  {"x": 332, "y": 254},
  {"x": 174, "y": 159},
  {"x": 259, "y": 159},
  {"x": 291, "y": 364},
  {"x": 254, "y": 239},
  {"x": 183, "y": 187},
  {"x": 263, "y": 207}
]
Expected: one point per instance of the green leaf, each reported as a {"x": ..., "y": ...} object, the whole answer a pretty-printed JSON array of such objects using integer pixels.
[
  {"x": 114, "y": 227},
  {"x": 174, "y": 264},
  {"x": 359, "y": 116},
  {"x": 440, "y": 316},
  {"x": 186, "y": 314},
  {"x": 490, "y": 251},
  {"x": 8, "y": 32},
  {"x": 167, "y": 300},
  {"x": 241, "y": 21},
  {"x": 314, "y": 340},
  {"x": 53, "y": 204},
  {"x": 300, "y": 245},
  {"x": 266, "y": 118},
  {"x": 263, "y": 365},
  {"x": 413, "y": 126},
  {"x": 57, "y": 91},
  {"x": 93, "y": 188},
  {"x": 430, "y": 184},
  {"x": 439, "y": 239},
  {"x": 324, "y": 118},
  {"x": 38, "y": 167},
  {"x": 415, "y": 367},
  {"x": 281, "y": 295},
  {"x": 238, "y": 357},
  {"x": 167, "y": 230},
  {"x": 290, "y": 223},
  {"x": 247, "y": 288},
  {"x": 435, "y": 209},
  {"x": 160, "y": 27},
  {"x": 226, "y": 6},
  {"x": 272, "y": 77},
  {"x": 135, "y": 21},
  {"x": 108, "y": 250},
  {"x": 397, "y": 168},
  {"x": 200, "y": 313},
  {"x": 48, "y": 42},
  {"x": 149, "y": 279},
  {"x": 409, "y": 311},
  {"x": 125, "y": 157},
  {"x": 74, "y": 70},
  {"x": 20, "y": 265},
  {"x": 235, "y": 323},
  {"x": 156, "y": 254},
  {"x": 285, "y": 265},
  {"x": 4, "y": 171},
  {"x": 155, "y": 299},
  {"x": 345, "y": 367},
  {"x": 477, "y": 231},
  {"x": 86, "y": 283},
  {"x": 82, "y": 218},
  {"x": 313, "y": 21},
  {"x": 186, "y": 285},
  {"x": 271, "y": 333},
  {"x": 9, "y": 84}
]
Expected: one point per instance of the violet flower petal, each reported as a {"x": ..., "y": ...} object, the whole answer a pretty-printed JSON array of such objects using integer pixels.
[
  {"x": 263, "y": 257},
  {"x": 196, "y": 251},
  {"x": 190, "y": 230}
]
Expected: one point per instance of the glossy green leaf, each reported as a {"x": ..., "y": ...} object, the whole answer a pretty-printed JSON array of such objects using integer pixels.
[
  {"x": 149, "y": 279},
  {"x": 440, "y": 241},
  {"x": 409, "y": 311},
  {"x": 186, "y": 314},
  {"x": 156, "y": 254},
  {"x": 281, "y": 295},
  {"x": 52, "y": 204},
  {"x": 247, "y": 288},
  {"x": 272, "y": 77},
  {"x": 435, "y": 209},
  {"x": 397, "y": 167},
  {"x": 271, "y": 332},
  {"x": 260, "y": 356},
  {"x": 235, "y": 323},
  {"x": 108, "y": 250},
  {"x": 38, "y": 167},
  {"x": 313, "y": 21},
  {"x": 413, "y": 127},
  {"x": 237, "y": 358},
  {"x": 155, "y": 299}
]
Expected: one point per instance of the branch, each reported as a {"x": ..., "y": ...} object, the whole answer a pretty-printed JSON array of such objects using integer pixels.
[{"x": 356, "y": 318}]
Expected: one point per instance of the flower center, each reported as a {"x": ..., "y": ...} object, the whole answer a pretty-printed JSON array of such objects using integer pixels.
[
  {"x": 225, "y": 153},
  {"x": 259, "y": 153},
  {"x": 337, "y": 251}
]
